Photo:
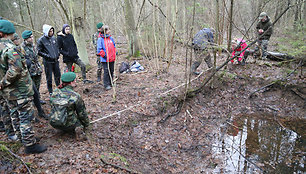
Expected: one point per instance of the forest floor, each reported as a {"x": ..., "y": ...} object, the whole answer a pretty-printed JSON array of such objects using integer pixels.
[{"x": 220, "y": 130}]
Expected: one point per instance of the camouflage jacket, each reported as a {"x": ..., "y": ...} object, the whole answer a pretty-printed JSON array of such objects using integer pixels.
[
  {"x": 34, "y": 66},
  {"x": 76, "y": 109},
  {"x": 95, "y": 38},
  {"x": 15, "y": 82}
]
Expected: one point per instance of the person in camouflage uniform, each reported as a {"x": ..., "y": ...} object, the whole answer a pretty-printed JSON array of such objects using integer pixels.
[
  {"x": 6, "y": 119},
  {"x": 76, "y": 114},
  {"x": 95, "y": 38},
  {"x": 201, "y": 44},
  {"x": 16, "y": 88},
  {"x": 37, "y": 102},
  {"x": 34, "y": 67}
]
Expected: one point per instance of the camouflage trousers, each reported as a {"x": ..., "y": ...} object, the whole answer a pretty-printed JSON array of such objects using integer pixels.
[
  {"x": 201, "y": 54},
  {"x": 263, "y": 47},
  {"x": 100, "y": 67},
  {"x": 5, "y": 117},
  {"x": 21, "y": 114},
  {"x": 81, "y": 64},
  {"x": 36, "y": 80}
]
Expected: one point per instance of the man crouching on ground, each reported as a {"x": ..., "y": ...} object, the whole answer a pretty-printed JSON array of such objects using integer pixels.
[{"x": 68, "y": 108}]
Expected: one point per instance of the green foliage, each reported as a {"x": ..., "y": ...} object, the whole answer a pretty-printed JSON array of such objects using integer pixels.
[
  {"x": 122, "y": 159},
  {"x": 268, "y": 64},
  {"x": 293, "y": 42},
  {"x": 137, "y": 54}
]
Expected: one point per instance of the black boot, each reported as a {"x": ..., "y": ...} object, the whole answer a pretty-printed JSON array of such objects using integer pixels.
[{"x": 35, "y": 148}]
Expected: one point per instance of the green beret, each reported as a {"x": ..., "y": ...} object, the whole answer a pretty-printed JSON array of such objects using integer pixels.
[
  {"x": 7, "y": 27},
  {"x": 99, "y": 25},
  {"x": 26, "y": 34},
  {"x": 68, "y": 77}
]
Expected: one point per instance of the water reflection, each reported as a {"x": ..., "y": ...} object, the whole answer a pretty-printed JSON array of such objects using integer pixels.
[{"x": 251, "y": 145}]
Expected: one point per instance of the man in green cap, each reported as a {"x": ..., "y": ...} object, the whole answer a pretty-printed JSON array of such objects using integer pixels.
[
  {"x": 16, "y": 88},
  {"x": 30, "y": 50},
  {"x": 95, "y": 38},
  {"x": 264, "y": 31},
  {"x": 68, "y": 108}
]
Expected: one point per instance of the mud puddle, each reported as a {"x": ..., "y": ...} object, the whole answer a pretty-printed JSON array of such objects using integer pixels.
[{"x": 249, "y": 144}]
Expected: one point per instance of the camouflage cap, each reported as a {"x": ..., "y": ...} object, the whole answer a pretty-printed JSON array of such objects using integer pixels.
[
  {"x": 68, "y": 77},
  {"x": 99, "y": 25},
  {"x": 26, "y": 34},
  {"x": 262, "y": 15},
  {"x": 7, "y": 27}
]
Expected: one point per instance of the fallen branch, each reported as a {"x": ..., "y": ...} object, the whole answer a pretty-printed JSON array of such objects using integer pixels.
[
  {"x": 277, "y": 81},
  {"x": 118, "y": 167},
  {"x": 178, "y": 110},
  {"x": 16, "y": 156}
]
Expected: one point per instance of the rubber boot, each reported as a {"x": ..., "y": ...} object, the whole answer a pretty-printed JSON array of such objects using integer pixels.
[
  {"x": 208, "y": 61},
  {"x": 35, "y": 148},
  {"x": 194, "y": 67}
]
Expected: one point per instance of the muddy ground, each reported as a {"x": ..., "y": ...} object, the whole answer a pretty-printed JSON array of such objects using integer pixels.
[{"x": 220, "y": 130}]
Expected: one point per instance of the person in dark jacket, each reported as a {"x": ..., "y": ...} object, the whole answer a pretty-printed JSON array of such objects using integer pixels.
[
  {"x": 69, "y": 50},
  {"x": 106, "y": 48},
  {"x": 201, "y": 43},
  {"x": 48, "y": 49},
  {"x": 264, "y": 31}
]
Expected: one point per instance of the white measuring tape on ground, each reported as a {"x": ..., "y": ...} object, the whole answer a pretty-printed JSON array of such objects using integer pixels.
[{"x": 126, "y": 109}]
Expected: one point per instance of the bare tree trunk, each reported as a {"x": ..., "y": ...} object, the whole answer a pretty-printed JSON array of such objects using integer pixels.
[
  {"x": 20, "y": 12},
  {"x": 31, "y": 20},
  {"x": 230, "y": 26},
  {"x": 217, "y": 31},
  {"x": 131, "y": 29},
  {"x": 78, "y": 29}
]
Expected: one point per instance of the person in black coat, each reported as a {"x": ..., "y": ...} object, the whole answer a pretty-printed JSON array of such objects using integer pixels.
[
  {"x": 69, "y": 50},
  {"x": 48, "y": 49}
]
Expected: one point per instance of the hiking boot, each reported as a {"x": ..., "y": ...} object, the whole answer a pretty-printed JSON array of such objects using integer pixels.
[
  {"x": 108, "y": 87},
  {"x": 43, "y": 102},
  {"x": 87, "y": 81},
  {"x": 35, "y": 148}
]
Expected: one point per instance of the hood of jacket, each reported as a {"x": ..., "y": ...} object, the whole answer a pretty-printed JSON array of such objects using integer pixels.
[
  {"x": 46, "y": 29},
  {"x": 64, "y": 27},
  {"x": 105, "y": 35}
]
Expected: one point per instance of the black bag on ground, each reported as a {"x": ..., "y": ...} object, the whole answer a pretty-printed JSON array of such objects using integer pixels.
[{"x": 124, "y": 67}]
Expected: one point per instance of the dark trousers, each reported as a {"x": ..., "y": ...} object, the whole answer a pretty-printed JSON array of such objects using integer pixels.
[
  {"x": 106, "y": 75},
  {"x": 52, "y": 67},
  {"x": 37, "y": 99}
]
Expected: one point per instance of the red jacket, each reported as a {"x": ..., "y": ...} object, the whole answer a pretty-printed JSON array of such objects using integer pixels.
[
  {"x": 242, "y": 46},
  {"x": 106, "y": 48}
]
